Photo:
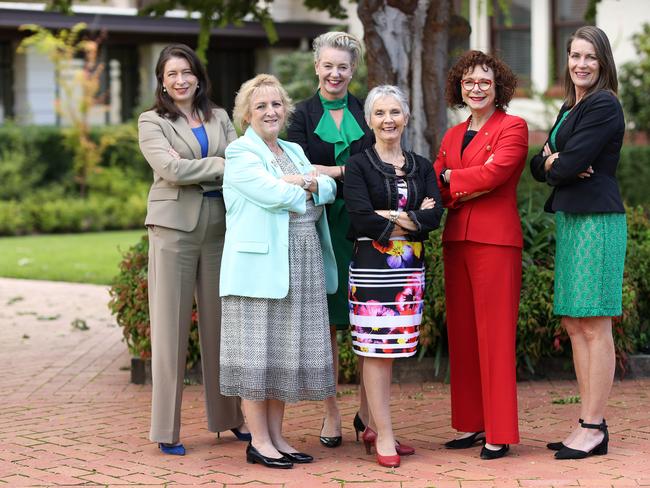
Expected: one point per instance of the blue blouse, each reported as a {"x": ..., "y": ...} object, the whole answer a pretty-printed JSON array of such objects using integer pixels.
[{"x": 202, "y": 136}]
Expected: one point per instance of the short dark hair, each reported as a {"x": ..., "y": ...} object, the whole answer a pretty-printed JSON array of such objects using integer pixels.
[
  {"x": 163, "y": 104},
  {"x": 505, "y": 80},
  {"x": 607, "y": 79}
]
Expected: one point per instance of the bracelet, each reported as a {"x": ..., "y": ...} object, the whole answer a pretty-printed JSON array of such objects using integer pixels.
[
  {"x": 393, "y": 215},
  {"x": 307, "y": 179}
]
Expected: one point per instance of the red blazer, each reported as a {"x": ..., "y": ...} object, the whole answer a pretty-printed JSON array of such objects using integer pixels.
[{"x": 491, "y": 218}]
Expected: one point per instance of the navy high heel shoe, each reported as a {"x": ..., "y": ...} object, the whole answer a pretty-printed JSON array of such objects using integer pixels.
[
  {"x": 241, "y": 436},
  {"x": 173, "y": 449}
]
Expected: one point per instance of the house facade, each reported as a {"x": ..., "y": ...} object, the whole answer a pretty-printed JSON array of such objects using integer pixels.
[
  {"x": 129, "y": 49},
  {"x": 532, "y": 41}
]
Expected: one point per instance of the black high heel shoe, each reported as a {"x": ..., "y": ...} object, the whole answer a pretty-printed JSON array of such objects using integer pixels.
[
  {"x": 254, "y": 456},
  {"x": 466, "y": 442},
  {"x": 556, "y": 446},
  {"x": 358, "y": 425},
  {"x": 598, "y": 450}
]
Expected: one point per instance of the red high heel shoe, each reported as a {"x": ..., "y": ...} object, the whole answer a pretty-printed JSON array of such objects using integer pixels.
[{"x": 371, "y": 436}]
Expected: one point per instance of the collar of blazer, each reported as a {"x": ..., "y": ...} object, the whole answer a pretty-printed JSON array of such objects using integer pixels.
[
  {"x": 184, "y": 131},
  {"x": 294, "y": 151},
  {"x": 480, "y": 148},
  {"x": 316, "y": 110}
]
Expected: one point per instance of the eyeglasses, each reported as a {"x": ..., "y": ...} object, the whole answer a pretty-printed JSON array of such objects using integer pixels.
[{"x": 483, "y": 85}]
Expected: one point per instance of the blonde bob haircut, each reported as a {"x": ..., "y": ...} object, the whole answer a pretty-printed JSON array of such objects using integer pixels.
[
  {"x": 338, "y": 40},
  {"x": 242, "y": 111}
]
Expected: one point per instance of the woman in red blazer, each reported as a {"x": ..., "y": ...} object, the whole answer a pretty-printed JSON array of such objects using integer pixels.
[{"x": 479, "y": 165}]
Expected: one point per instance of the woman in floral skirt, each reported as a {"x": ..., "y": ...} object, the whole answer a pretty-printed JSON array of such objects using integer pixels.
[{"x": 393, "y": 200}]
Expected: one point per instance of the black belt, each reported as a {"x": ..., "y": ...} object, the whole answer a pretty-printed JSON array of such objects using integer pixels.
[{"x": 213, "y": 194}]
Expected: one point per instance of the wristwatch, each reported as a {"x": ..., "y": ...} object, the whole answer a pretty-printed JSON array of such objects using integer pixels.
[
  {"x": 306, "y": 181},
  {"x": 443, "y": 181}
]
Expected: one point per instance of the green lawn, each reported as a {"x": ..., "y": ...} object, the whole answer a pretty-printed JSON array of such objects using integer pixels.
[{"x": 82, "y": 258}]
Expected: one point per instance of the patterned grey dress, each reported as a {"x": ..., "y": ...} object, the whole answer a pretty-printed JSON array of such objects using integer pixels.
[{"x": 280, "y": 348}]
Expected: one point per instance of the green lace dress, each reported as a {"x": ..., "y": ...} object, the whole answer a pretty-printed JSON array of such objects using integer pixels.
[{"x": 589, "y": 262}]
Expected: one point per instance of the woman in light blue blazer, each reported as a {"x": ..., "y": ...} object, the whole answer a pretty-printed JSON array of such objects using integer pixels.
[{"x": 278, "y": 265}]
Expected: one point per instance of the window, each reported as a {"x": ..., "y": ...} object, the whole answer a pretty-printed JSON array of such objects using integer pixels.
[
  {"x": 512, "y": 43},
  {"x": 6, "y": 81},
  {"x": 568, "y": 15}
]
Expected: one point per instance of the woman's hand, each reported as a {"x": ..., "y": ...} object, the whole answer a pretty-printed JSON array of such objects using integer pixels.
[
  {"x": 587, "y": 173},
  {"x": 489, "y": 160},
  {"x": 331, "y": 171},
  {"x": 294, "y": 180},
  {"x": 173, "y": 153},
  {"x": 547, "y": 150},
  {"x": 399, "y": 231},
  {"x": 428, "y": 203},
  {"x": 550, "y": 160}
]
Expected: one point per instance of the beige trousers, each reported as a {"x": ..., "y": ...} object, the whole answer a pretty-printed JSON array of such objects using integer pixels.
[{"x": 183, "y": 265}]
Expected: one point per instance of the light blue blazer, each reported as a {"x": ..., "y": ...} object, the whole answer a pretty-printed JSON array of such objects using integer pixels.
[{"x": 255, "y": 259}]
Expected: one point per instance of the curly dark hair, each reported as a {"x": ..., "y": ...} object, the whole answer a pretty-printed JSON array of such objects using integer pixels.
[{"x": 505, "y": 80}]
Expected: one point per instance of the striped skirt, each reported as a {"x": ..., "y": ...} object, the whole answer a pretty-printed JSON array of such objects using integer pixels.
[{"x": 386, "y": 297}]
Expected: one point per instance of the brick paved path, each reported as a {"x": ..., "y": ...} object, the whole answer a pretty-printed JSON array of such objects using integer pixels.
[{"x": 69, "y": 417}]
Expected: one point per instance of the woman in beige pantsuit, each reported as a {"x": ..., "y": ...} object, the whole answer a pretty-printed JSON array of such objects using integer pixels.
[{"x": 183, "y": 138}]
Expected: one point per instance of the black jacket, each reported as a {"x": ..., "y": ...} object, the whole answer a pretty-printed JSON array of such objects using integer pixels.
[
  {"x": 591, "y": 135},
  {"x": 304, "y": 122},
  {"x": 371, "y": 184}
]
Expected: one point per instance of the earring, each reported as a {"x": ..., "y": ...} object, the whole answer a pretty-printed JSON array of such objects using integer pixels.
[
  {"x": 197, "y": 85},
  {"x": 164, "y": 90}
]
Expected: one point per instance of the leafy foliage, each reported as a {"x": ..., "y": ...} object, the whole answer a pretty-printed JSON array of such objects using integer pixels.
[
  {"x": 81, "y": 92},
  {"x": 130, "y": 304},
  {"x": 635, "y": 82}
]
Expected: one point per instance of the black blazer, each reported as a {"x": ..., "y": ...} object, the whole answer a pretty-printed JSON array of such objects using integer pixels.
[
  {"x": 371, "y": 184},
  {"x": 304, "y": 122},
  {"x": 591, "y": 135}
]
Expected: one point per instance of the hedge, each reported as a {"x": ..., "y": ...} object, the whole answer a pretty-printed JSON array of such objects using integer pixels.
[{"x": 539, "y": 334}]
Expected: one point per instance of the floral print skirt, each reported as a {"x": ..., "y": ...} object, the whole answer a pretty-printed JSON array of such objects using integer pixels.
[{"x": 386, "y": 297}]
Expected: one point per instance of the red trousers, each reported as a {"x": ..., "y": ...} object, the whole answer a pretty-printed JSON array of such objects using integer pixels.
[{"x": 482, "y": 287}]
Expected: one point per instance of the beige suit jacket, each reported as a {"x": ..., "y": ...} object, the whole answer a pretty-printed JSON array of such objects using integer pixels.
[{"x": 176, "y": 194}]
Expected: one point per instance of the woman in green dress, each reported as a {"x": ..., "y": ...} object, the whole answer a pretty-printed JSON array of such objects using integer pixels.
[
  {"x": 579, "y": 161},
  {"x": 330, "y": 127}
]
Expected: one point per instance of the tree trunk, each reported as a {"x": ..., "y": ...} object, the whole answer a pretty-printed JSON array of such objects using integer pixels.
[{"x": 407, "y": 45}]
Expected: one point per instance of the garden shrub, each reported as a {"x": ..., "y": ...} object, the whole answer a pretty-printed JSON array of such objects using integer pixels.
[
  {"x": 71, "y": 214},
  {"x": 539, "y": 334},
  {"x": 129, "y": 304}
]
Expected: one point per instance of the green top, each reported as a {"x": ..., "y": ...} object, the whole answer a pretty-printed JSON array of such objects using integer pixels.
[
  {"x": 554, "y": 132},
  {"x": 343, "y": 137}
]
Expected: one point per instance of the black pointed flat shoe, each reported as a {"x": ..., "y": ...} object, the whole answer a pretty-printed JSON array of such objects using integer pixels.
[
  {"x": 254, "y": 456},
  {"x": 329, "y": 441},
  {"x": 490, "y": 454},
  {"x": 466, "y": 442},
  {"x": 297, "y": 457},
  {"x": 598, "y": 450}
]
